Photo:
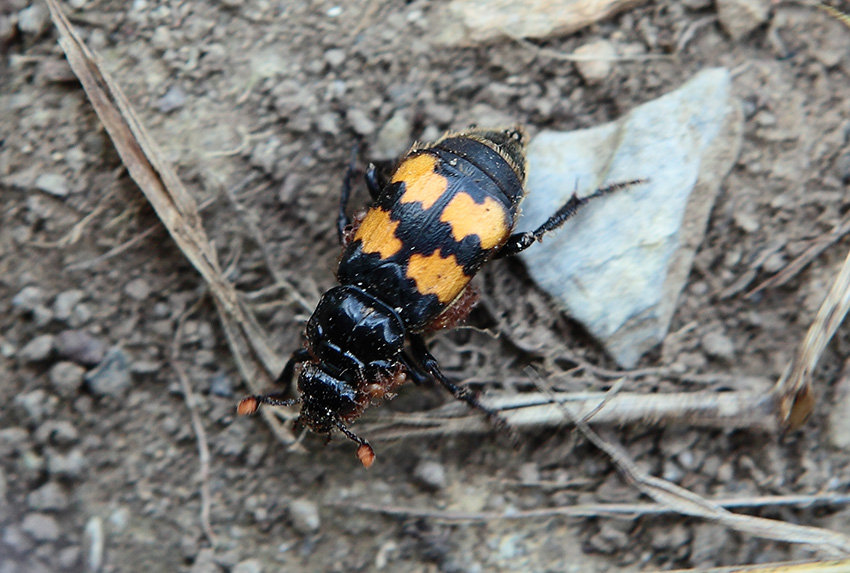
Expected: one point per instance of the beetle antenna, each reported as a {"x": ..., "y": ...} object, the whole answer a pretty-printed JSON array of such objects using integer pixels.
[
  {"x": 365, "y": 453},
  {"x": 251, "y": 404}
]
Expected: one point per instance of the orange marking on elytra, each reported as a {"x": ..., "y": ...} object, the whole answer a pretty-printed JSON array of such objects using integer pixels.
[
  {"x": 487, "y": 220},
  {"x": 421, "y": 183},
  {"x": 435, "y": 274},
  {"x": 377, "y": 233}
]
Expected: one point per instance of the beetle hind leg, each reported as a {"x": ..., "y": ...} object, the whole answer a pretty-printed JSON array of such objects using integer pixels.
[{"x": 430, "y": 365}]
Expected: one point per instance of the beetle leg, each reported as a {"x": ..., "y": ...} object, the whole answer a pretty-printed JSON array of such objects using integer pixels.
[
  {"x": 430, "y": 365},
  {"x": 299, "y": 356},
  {"x": 343, "y": 220},
  {"x": 518, "y": 242},
  {"x": 417, "y": 376},
  {"x": 373, "y": 183}
]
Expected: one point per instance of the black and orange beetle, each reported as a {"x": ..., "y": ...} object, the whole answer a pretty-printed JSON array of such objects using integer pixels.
[{"x": 447, "y": 209}]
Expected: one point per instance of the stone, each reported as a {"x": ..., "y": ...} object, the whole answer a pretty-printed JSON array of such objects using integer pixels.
[
  {"x": 94, "y": 543},
  {"x": 470, "y": 22},
  {"x": 29, "y": 298},
  {"x": 37, "y": 405},
  {"x": 69, "y": 557},
  {"x": 65, "y": 303},
  {"x": 393, "y": 137},
  {"x": 41, "y": 527},
  {"x": 34, "y": 19},
  {"x": 80, "y": 347},
  {"x": 66, "y": 378},
  {"x": 335, "y": 57},
  {"x": 304, "y": 514},
  {"x": 65, "y": 466},
  {"x": 173, "y": 99},
  {"x": 205, "y": 562},
  {"x": 221, "y": 385},
  {"x": 112, "y": 376},
  {"x": 430, "y": 475},
  {"x": 52, "y": 184},
  {"x": 138, "y": 289},
  {"x": 597, "y": 59},
  {"x": 619, "y": 265},
  {"x": 57, "y": 433},
  {"x": 12, "y": 440},
  {"x": 360, "y": 122},
  {"x": 38, "y": 349},
  {"x": 49, "y": 497},
  {"x": 248, "y": 566},
  {"x": 740, "y": 17},
  {"x": 718, "y": 345}
]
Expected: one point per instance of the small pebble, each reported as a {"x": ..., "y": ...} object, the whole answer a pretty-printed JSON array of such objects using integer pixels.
[
  {"x": 205, "y": 562},
  {"x": 304, "y": 514},
  {"x": 671, "y": 537},
  {"x": 57, "y": 433},
  {"x": 37, "y": 405},
  {"x": 430, "y": 475},
  {"x": 112, "y": 376},
  {"x": 718, "y": 345},
  {"x": 66, "y": 378},
  {"x": 327, "y": 123},
  {"x": 740, "y": 17},
  {"x": 221, "y": 385},
  {"x": 174, "y": 98},
  {"x": 611, "y": 538},
  {"x": 592, "y": 70},
  {"x": 53, "y": 184},
  {"x": 138, "y": 289},
  {"x": 335, "y": 57},
  {"x": 34, "y": 19},
  {"x": 49, "y": 497},
  {"x": 7, "y": 28},
  {"x": 12, "y": 440},
  {"x": 29, "y": 298},
  {"x": 41, "y": 527},
  {"x": 63, "y": 306},
  {"x": 37, "y": 350},
  {"x": 393, "y": 137},
  {"x": 15, "y": 538},
  {"x": 68, "y": 466},
  {"x": 119, "y": 519},
  {"x": 80, "y": 347},
  {"x": 360, "y": 122},
  {"x": 248, "y": 566},
  {"x": 94, "y": 543},
  {"x": 233, "y": 440},
  {"x": 69, "y": 557}
]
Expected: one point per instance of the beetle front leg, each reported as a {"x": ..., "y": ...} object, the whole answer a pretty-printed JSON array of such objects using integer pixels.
[{"x": 518, "y": 242}]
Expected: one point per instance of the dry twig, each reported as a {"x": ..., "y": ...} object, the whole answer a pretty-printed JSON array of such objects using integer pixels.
[
  {"x": 793, "y": 389},
  {"x": 612, "y": 510},
  {"x": 688, "y": 503},
  {"x": 197, "y": 425},
  {"x": 175, "y": 207}
]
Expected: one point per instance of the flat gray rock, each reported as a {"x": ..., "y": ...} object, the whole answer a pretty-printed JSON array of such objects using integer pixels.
[{"x": 619, "y": 265}]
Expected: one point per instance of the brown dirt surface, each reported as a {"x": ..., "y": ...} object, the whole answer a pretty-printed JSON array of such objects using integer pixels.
[{"x": 265, "y": 100}]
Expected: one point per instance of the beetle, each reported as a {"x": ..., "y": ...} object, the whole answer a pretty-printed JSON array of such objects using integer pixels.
[{"x": 447, "y": 209}]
